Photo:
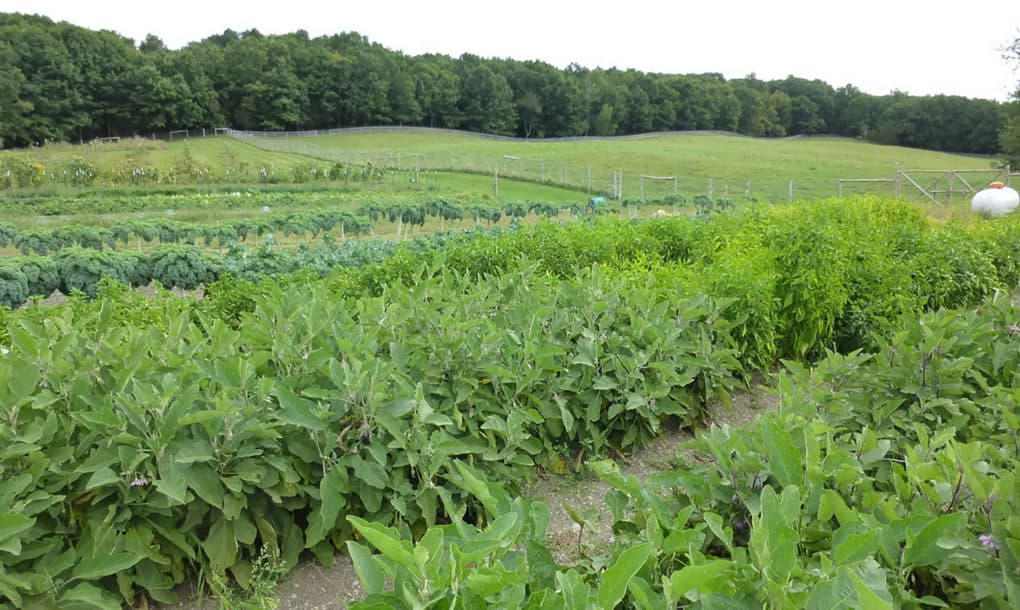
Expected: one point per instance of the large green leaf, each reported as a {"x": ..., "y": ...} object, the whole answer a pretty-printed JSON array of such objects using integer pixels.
[
  {"x": 835, "y": 593},
  {"x": 703, "y": 578},
  {"x": 785, "y": 460},
  {"x": 220, "y": 545},
  {"x": 86, "y": 596},
  {"x": 91, "y": 568},
  {"x": 854, "y": 542},
  {"x": 935, "y": 541},
  {"x": 332, "y": 490},
  {"x": 12, "y": 524},
  {"x": 371, "y": 573},
  {"x": 387, "y": 540},
  {"x": 615, "y": 579},
  {"x": 573, "y": 589},
  {"x": 867, "y": 598},
  {"x": 206, "y": 484},
  {"x": 297, "y": 411},
  {"x": 773, "y": 541}
]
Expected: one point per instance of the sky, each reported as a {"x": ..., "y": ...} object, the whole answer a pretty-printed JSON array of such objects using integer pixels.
[{"x": 919, "y": 47}]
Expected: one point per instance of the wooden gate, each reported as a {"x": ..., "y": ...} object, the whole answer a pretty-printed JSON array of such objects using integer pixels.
[{"x": 937, "y": 185}]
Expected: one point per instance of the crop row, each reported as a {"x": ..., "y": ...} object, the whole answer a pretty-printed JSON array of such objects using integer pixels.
[
  {"x": 167, "y": 231},
  {"x": 77, "y": 269},
  {"x": 112, "y": 201},
  {"x": 23, "y": 172},
  {"x": 148, "y": 439},
  {"x": 884, "y": 480},
  {"x": 313, "y": 222}
]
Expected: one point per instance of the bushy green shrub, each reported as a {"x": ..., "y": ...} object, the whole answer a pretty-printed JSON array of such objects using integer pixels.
[
  {"x": 41, "y": 273},
  {"x": 80, "y": 269},
  {"x": 13, "y": 285},
  {"x": 182, "y": 267}
]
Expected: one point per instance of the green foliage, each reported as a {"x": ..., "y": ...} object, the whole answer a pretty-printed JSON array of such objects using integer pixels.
[
  {"x": 7, "y": 233},
  {"x": 259, "y": 592},
  {"x": 229, "y": 299},
  {"x": 79, "y": 172},
  {"x": 80, "y": 269},
  {"x": 13, "y": 285},
  {"x": 157, "y": 437},
  {"x": 182, "y": 267},
  {"x": 832, "y": 501},
  {"x": 41, "y": 273}
]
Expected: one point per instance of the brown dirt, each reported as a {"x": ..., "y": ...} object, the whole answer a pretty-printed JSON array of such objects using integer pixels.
[
  {"x": 585, "y": 493},
  {"x": 310, "y": 586}
]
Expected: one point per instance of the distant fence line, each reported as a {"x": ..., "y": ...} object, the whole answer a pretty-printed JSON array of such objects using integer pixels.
[
  {"x": 612, "y": 183},
  {"x": 937, "y": 186},
  {"x": 347, "y": 131},
  {"x": 608, "y": 182}
]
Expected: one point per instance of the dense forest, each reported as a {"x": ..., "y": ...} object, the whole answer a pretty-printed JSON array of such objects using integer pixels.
[{"x": 59, "y": 81}]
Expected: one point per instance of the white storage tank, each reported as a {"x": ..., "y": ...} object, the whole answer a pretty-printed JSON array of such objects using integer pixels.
[{"x": 996, "y": 200}]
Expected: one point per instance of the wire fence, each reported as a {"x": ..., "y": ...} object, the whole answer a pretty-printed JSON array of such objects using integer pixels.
[{"x": 611, "y": 183}]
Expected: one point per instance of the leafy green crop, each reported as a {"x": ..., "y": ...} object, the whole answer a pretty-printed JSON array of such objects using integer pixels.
[
  {"x": 149, "y": 440},
  {"x": 829, "y": 502}
]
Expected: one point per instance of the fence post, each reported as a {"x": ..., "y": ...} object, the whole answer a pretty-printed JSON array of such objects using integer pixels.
[
  {"x": 709, "y": 188},
  {"x": 896, "y": 180},
  {"x": 789, "y": 191},
  {"x": 589, "y": 181}
]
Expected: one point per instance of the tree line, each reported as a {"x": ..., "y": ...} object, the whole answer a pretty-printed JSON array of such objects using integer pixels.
[{"x": 59, "y": 82}]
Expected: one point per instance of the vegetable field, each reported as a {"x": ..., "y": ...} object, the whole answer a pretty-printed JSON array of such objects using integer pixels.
[{"x": 388, "y": 403}]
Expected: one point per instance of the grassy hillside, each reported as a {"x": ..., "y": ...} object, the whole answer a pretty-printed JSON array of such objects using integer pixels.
[
  {"x": 222, "y": 153},
  {"x": 736, "y": 165},
  {"x": 813, "y": 164}
]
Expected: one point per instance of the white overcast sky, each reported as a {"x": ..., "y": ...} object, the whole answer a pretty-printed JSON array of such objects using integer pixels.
[{"x": 921, "y": 47}]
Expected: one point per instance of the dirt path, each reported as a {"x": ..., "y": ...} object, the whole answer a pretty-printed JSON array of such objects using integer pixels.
[
  {"x": 314, "y": 587},
  {"x": 585, "y": 493}
]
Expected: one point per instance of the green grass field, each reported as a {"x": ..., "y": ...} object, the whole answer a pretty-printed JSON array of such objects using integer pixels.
[
  {"x": 735, "y": 165},
  {"x": 221, "y": 153},
  {"x": 813, "y": 164}
]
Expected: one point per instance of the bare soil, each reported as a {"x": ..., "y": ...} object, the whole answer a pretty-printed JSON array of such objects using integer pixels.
[{"x": 585, "y": 493}]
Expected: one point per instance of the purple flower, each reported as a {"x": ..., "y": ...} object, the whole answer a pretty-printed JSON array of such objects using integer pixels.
[
  {"x": 138, "y": 482},
  {"x": 989, "y": 543}
]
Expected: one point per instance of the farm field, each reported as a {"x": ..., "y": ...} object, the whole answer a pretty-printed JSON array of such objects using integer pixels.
[
  {"x": 814, "y": 164},
  {"x": 204, "y": 163},
  {"x": 394, "y": 406}
]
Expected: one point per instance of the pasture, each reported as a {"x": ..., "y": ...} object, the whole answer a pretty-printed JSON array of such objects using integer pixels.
[{"x": 813, "y": 164}]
